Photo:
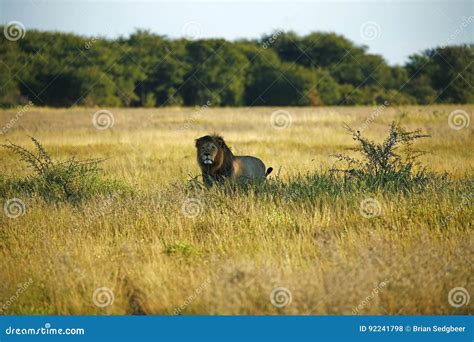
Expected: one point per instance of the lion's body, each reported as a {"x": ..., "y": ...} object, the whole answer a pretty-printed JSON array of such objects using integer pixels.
[
  {"x": 218, "y": 163},
  {"x": 248, "y": 167}
]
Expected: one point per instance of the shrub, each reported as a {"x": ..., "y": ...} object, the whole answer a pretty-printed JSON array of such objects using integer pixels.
[
  {"x": 71, "y": 180},
  {"x": 382, "y": 165}
]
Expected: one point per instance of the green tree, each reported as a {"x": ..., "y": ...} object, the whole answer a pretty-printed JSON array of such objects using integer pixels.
[
  {"x": 9, "y": 87},
  {"x": 216, "y": 73},
  {"x": 455, "y": 73},
  {"x": 328, "y": 89},
  {"x": 283, "y": 68}
]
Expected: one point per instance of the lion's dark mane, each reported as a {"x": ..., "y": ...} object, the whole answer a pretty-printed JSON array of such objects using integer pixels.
[{"x": 222, "y": 166}]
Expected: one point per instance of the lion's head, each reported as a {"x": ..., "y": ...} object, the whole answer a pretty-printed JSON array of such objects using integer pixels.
[
  {"x": 207, "y": 150},
  {"x": 212, "y": 152}
]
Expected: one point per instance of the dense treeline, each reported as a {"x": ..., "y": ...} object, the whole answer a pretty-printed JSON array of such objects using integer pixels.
[{"x": 58, "y": 69}]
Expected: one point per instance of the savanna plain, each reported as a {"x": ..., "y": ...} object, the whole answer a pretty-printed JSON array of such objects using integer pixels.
[{"x": 149, "y": 239}]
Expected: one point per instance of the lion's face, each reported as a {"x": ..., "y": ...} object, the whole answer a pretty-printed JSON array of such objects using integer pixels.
[{"x": 207, "y": 152}]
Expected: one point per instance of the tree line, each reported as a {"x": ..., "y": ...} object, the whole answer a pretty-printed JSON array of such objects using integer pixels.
[{"x": 281, "y": 69}]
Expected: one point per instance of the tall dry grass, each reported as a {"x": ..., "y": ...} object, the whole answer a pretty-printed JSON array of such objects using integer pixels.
[{"x": 163, "y": 246}]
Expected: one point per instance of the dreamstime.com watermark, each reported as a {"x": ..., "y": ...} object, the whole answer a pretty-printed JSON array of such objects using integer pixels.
[
  {"x": 370, "y": 208},
  {"x": 458, "y": 297},
  {"x": 280, "y": 297},
  {"x": 192, "y": 207},
  {"x": 103, "y": 119},
  {"x": 370, "y": 30},
  {"x": 375, "y": 113},
  {"x": 281, "y": 119},
  {"x": 103, "y": 297},
  {"x": 21, "y": 289},
  {"x": 375, "y": 291},
  {"x": 462, "y": 26},
  {"x": 14, "y": 208},
  {"x": 466, "y": 199},
  {"x": 191, "y": 30},
  {"x": 459, "y": 119},
  {"x": 90, "y": 43},
  {"x": 192, "y": 297},
  {"x": 46, "y": 330},
  {"x": 103, "y": 209},
  {"x": 14, "y": 30},
  {"x": 196, "y": 115},
  {"x": 20, "y": 112},
  {"x": 270, "y": 40}
]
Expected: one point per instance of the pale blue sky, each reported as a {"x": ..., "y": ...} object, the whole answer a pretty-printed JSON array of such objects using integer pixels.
[{"x": 401, "y": 27}]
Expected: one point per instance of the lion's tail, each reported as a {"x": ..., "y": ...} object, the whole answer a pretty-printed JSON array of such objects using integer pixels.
[{"x": 269, "y": 170}]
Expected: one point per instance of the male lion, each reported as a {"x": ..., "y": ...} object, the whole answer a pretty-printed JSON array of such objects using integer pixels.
[{"x": 217, "y": 162}]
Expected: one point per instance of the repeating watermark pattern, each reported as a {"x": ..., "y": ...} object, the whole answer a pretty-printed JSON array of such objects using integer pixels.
[
  {"x": 269, "y": 41},
  {"x": 375, "y": 113},
  {"x": 370, "y": 208},
  {"x": 370, "y": 30},
  {"x": 192, "y": 297},
  {"x": 196, "y": 115},
  {"x": 375, "y": 291},
  {"x": 464, "y": 201},
  {"x": 103, "y": 297},
  {"x": 103, "y": 119},
  {"x": 281, "y": 119},
  {"x": 292, "y": 195},
  {"x": 68, "y": 264},
  {"x": 458, "y": 297},
  {"x": 21, "y": 289},
  {"x": 14, "y": 208},
  {"x": 102, "y": 209},
  {"x": 20, "y": 112},
  {"x": 192, "y": 207},
  {"x": 90, "y": 43},
  {"x": 459, "y": 119},
  {"x": 462, "y": 26},
  {"x": 280, "y": 297},
  {"x": 14, "y": 31},
  {"x": 192, "y": 30}
]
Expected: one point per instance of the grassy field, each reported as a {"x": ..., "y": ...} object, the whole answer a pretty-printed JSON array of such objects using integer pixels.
[{"x": 157, "y": 244}]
